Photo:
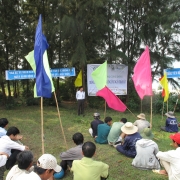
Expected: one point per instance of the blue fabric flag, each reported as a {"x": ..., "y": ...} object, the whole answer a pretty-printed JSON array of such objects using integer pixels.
[{"x": 43, "y": 81}]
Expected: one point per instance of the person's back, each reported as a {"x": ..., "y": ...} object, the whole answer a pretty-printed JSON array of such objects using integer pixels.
[
  {"x": 103, "y": 131},
  {"x": 87, "y": 168},
  {"x": 146, "y": 151},
  {"x": 115, "y": 131},
  {"x": 24, "y": 160}
]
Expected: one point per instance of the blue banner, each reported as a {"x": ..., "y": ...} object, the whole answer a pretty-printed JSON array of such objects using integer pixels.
[
  {"x": 29, "y": 74},
  {"x": 173, "y": 73}
]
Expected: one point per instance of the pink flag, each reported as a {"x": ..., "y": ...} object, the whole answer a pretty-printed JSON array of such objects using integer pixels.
[
  {"x": 142, "y": 75},
  {"x": 112, "y": 100}
]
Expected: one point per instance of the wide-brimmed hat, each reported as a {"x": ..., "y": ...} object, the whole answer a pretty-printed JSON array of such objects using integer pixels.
[
  {"x": 129, "y": 128},
  {"x": 48, "y": 161},
  {"x": 147, "y": 133},
  {"x": 141, "y": 116},
  {"x": 175, "y": 137},
  {"x": 170, "y": 114}
]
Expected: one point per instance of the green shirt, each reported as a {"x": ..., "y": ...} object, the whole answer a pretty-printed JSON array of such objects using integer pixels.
[
  {"x": 89, "y": 169},
  {"x": 115, "y": 132}
]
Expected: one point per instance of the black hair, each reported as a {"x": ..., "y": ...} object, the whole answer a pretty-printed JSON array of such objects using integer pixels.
[
  {"x": 124, "y": 120},
  {"x": 3, "y": 122},
  {"x": 24, "y": 159},
  {"x": 78, "y": 138},
  {"x": 107, "y": 119},
  {"x": 40, "y": 170},
  {"x": 88, "y": 149},
  {"x": 12, "y": 130}
]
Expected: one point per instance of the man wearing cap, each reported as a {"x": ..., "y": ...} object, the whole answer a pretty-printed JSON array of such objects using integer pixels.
[
  {"x": 94, "y": 125},
  {"x": 80, "y": 96},
  {"x": 171, "y": 123},
  {"x": 170, "y": 160},
  {"x": 146, "y": 150},
  {"x": 141, "y": 123},
  {"x": 131, "y": 137},
  {"x": 44, "y": 170}
]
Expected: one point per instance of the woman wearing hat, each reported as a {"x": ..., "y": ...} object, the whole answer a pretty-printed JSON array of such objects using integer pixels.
[
  {"x": 171, "y": 123},
  {"x": 146, "y": 150},
  {"x": 141, "y": 123},
  {"x": 132, "y": 136}
]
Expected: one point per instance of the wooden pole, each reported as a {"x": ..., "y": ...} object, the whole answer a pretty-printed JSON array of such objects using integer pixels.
[
  {"x": 167, "y": 106},
  {"x": 42, "y": 124},
  {"x": 141, "y": 105},
  {"x": 151, "y": 114},
  {"x": 60, "y": 120},
  {"x": 131, "y": 112},
  {"x": 104, "y": 109},
  {"x": 175, "y": 105},
  {"x": 163, "y": 110}
]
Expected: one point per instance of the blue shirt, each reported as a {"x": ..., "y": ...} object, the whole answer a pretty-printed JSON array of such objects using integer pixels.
[
  {"x": 2, "y": 132},
  {"x": 171, "y": 125},
  {"x": 128, "y": 148},
  {"x": 94, "y": 125},
  {"x": 102, "y": 133}
]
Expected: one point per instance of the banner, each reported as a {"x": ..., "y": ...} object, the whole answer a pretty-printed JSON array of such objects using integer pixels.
[
  {"x": 116, "y": 79},
  {"x": 173, "y": 73}
]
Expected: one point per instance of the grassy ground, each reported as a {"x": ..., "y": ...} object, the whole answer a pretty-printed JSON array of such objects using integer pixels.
[{"x": 27, "y": 119}]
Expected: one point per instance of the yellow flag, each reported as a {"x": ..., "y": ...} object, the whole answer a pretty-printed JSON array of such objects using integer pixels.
[
  {"x": 164, "y": 82},
  {"x": 78, "y": 81}
]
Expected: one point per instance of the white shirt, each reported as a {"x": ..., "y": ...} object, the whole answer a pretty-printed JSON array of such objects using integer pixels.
[
  {"x": 80, "y": 95},
  {"x": 2, "y": 132},
  {"x": 15, "y": 172},
  {"x": 6, "y": 144},
  {"x": 3, "y": 159},
  {"x": 173, "y": 158},
  {"x": 30, "y": 176}
]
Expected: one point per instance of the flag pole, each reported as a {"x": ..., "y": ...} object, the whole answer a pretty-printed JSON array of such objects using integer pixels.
[
  {"x": 104, "y": 109},
  {"x": 163, "y": 110},
  {"x": 60, "y": 120},
  {"x": 141, "y": 105},
  {"x": 151, "y": 114},
  {"x": 42, "y": 124},
  {"x": 131, "y": 112},
  {"x": 167, "y": 105},
  {"x": 175, "y": 105}
]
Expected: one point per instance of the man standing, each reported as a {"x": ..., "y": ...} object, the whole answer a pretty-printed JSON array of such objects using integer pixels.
[{"x": 80, "y": 96}]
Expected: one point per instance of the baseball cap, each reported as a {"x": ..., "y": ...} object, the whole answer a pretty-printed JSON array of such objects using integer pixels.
[
  {"x": 175, "y": 137},
  {"x": 48, "y": 161}
]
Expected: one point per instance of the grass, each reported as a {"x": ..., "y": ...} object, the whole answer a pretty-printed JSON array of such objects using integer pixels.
[{"x": 27, "y": 119}]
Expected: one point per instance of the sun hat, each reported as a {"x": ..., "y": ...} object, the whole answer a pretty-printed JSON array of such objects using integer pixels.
[
  {"x": 141, "y": 116},
  {"x": 48, "y": 161},
  {"x": 147, "y": 133},
  {"x": 170, "y": 114},
  {"x": 96, "y": 114},
  {"x": 129, "y": 128},
  {"x": 175, "y": 137}
]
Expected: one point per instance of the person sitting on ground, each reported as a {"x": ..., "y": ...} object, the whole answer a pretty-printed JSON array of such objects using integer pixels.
[
  {"x": 103, "y": 131},
  {"x": 25, "y": 161},
  {"x": 44, "y": 170},
  {"x": 146, "y": 151},
  {"x": 94, "y": 125},
  {"x": 170, "y": 160},
  {"x": 141, "y": 123},
  {"x": 114, "y": 136},
  {"x": 171, "y": 123},
  {"x": 73, "y": 153},
  {"x": 131, "y": 137},
  {"x": 9, "y": 146},
  {"x": 3, "y": 124},
  {"x": 87, "y": 168}
]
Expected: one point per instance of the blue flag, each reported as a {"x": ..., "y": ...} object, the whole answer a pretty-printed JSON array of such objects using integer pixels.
[{"x": 43, "y": 75}]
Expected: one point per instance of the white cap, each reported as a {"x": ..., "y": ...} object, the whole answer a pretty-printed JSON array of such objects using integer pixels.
[{"x": 48, "y": 161}]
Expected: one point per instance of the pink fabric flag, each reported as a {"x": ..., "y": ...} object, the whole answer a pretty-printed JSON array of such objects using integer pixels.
[
  {"x": 111, "y": 99},
  {"x": 142, "y": 75}
]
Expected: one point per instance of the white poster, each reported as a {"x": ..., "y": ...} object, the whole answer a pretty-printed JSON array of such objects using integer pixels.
[{"x": 116, "y": 79}]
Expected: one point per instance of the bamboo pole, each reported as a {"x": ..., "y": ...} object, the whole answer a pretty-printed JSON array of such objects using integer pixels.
[
  {"x": 42, "y": 124},
  {"x": 167, "y": 106},
  {"x": 131, "y": 112},
  {"x": 104, "y": 109},
  {"x": 60, "y": 120},
  {"x": 151, "y": 114},
  {"x": 175, "y": 105},
  {"x": 163, "y": 110},
  {"x": 141, "y": 105}
]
